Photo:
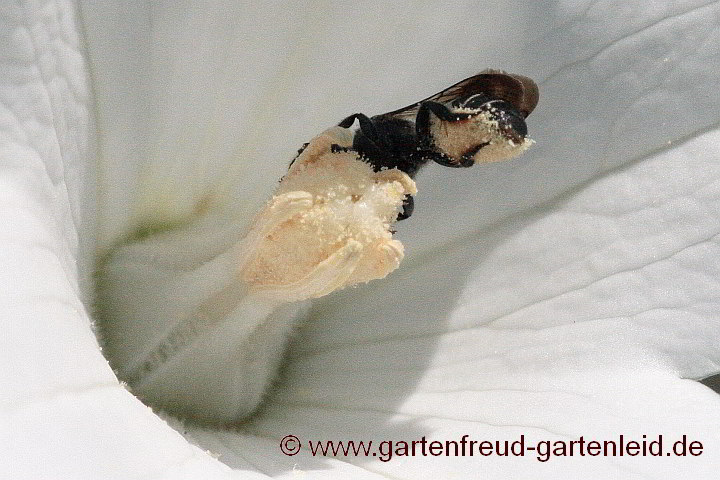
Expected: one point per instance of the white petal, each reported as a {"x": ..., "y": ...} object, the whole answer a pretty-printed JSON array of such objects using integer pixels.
[{"x": 62, "y": 412}]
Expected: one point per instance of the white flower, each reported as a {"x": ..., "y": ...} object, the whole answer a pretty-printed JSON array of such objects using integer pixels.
[
  {"x": 571, "y": 292},
  {"x": 202, "y": 334}
]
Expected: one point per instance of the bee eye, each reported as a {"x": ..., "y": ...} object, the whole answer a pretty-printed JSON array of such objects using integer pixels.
[
  {"x": 510, "y": 121},
  {"x": 515, "y": 122}
]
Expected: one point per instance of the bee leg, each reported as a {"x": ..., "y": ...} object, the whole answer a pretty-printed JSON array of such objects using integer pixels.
[
  {"x": 444, "y": 160},
  {"x": 366, "y": 124},
  {"x": 408, "y": 206},
  {"x": 367, "y": 141},
  {"x": 468, "y": 160},
  {"x": 442, "y": 112},
  {"x": 422, "y": 120}
]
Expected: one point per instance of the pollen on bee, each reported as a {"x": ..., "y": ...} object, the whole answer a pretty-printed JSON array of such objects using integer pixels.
[
  {"x": 456, "y": 139},
  {"x": 328, "y": 226}
]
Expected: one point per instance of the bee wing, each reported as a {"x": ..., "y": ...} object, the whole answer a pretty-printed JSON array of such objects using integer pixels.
[{"x": 518, "y": 90}]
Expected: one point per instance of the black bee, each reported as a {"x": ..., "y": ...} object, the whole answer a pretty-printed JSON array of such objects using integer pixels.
[{"x": 404, "y": 138}]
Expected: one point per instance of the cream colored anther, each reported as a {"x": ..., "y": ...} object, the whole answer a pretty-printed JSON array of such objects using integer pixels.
[{"x": 328, "y": 225}]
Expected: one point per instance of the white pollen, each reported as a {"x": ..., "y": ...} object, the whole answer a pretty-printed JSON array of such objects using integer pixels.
[
  {"x": 328, "y": 225},
  {"x": 454, "y": 139}
]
